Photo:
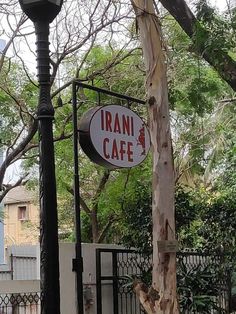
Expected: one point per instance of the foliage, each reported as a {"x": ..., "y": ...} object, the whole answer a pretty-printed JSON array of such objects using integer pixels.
[
  {"x": 137, "y": 217},
  {"x": 137, "y": 212},
  {"x": 69, "y": 51},
  {"x": 198, "y": 286},
  {"x": 216, "y": 34},
  {"x": 125, "y": 77},
  {"x": 204, "y": 219},
  {"x": 201, "y": 278},
  {"x": 193, "y": 85},
  {"x": 119, "y": 80},
  {"x": 203, "y": 129},
  {"x": 218, "y": 227}
]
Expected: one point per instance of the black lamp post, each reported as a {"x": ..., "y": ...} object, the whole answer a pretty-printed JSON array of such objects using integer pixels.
[{"x": 42, "y": 13}]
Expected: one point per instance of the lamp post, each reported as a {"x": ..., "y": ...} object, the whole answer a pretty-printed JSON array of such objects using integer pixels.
[{"x": 42, "y": 13}]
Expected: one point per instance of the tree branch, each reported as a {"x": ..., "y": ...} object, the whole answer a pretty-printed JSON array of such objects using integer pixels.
[
  {"x": 18, "y": 150},
  {"x": 3, "y": 53},
  {"x": 223, "y": 63},
  {"x": 103, "y": 233},
  {"x": 82, "y": 202},
  {"x": 9, "y": 187}
]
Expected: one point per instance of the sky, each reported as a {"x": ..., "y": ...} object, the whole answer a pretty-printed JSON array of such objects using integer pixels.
[{"x": 221, "y": 4}]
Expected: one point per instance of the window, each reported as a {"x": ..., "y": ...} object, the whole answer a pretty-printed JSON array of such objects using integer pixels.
[{"x": 22, "y": 213}]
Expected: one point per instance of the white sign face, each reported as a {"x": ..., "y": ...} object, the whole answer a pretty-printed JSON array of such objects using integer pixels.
[{"x": 119, "y": 136}]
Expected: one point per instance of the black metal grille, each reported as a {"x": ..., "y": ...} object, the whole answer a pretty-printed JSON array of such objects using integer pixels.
[
  {"x": 136, "y": 265},
  {"x": 200, "y": 274},
  {"x": 20, "y": 303},
  {"x": 207, "y": 279}
]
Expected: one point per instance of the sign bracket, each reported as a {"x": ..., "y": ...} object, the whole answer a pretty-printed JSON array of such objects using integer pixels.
[{"x": 77, "y": 262}]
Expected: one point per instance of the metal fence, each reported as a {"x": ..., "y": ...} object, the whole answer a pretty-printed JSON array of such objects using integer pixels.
[
  {"x": 129, "y": 266},
  {"x": 203, "y": 281},
  {"x": 20, "y": 303},
  {"x": 202, "y": 278}
]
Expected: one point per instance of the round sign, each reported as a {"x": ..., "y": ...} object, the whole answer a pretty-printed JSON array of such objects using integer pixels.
[{"x": 114, "y": 136}]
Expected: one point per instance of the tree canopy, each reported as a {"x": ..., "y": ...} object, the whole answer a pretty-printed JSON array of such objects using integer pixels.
[{"x": 97, "y": 42}]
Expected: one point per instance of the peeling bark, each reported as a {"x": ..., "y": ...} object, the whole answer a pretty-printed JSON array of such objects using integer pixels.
[
  {"x": 147, "y": 302},
  {"x": 164, "y": 264}
]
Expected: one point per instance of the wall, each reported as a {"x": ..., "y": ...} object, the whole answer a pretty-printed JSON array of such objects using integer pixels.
[
  {"x": 19, "y": 286},
  {"x": 67, "y": 276}
]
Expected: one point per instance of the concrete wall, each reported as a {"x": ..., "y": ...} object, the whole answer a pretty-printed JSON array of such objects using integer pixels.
[
  {"x": 67, "y": 276},
  {"x": 19, "y": 286}
]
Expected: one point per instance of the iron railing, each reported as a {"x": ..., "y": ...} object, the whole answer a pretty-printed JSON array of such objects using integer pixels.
[
  {"x": 202, "y": 277},
  {"x": 20, "y": 303}
]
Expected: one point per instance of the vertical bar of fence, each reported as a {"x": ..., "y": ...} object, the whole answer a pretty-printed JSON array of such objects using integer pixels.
[
  {"x": 115, "y": 282},
  {"x": 98, "y": 282}
]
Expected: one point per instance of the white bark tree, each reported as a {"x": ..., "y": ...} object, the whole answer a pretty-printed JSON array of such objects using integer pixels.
[{"x": 162, "y": 297}]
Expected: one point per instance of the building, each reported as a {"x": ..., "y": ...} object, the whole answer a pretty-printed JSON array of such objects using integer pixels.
[{"x": 21, "y": 217}]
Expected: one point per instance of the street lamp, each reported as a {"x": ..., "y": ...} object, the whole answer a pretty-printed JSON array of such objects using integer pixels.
[{"x": 42, "y": 13}]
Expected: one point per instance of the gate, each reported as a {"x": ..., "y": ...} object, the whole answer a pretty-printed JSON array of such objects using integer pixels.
[{"x": 116, "y": 268}]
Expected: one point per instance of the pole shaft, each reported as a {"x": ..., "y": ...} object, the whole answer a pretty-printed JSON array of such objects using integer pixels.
[
  {"x": 49, "y": 249},
  {"x": 78, "y": 248}
]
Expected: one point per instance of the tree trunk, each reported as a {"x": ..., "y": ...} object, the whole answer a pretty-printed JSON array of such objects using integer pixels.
[{"x": 164, "y": 264}]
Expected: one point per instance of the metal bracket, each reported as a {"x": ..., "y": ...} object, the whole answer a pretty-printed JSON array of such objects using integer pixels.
[{"x": 77, "y": 264}]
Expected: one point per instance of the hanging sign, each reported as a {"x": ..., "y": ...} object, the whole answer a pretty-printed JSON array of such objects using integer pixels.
[{"x": 114, "y": 137}]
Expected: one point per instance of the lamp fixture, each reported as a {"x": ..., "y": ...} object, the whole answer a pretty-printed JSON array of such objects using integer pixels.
[{"x": 41, "y": 10}]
